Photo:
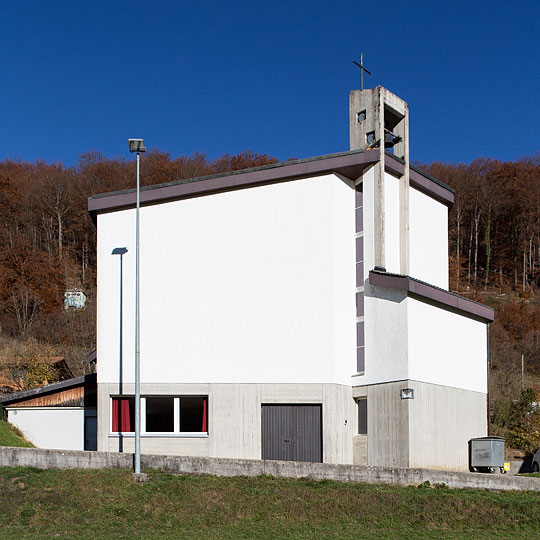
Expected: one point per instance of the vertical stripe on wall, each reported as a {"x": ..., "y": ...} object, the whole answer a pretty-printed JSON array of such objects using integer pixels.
[{"x": 359, "y": 212}]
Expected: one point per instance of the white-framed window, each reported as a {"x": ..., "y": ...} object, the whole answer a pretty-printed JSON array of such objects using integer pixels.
[{"x": 185, "y": 416}]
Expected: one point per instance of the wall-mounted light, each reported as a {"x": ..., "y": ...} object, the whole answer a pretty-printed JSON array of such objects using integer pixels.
[{"x": 407, "y": 393}]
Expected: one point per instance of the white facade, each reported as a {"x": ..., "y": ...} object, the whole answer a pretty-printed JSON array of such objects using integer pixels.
[
  {"x": 445, "y": 348},
  {"x": 428, "y": 239},
  {"x": 428, "y": 231},
  {"x": 40, "y": 426},
  {"x": 422, "y": 342},
  {"x": 259, "y": 289},
  {"x": 248, "y": 286},
  {"x": 392, "y": 226}
]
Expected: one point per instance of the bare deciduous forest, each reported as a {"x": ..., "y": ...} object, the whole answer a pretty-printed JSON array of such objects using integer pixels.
[{"x": 47, "y": 245}]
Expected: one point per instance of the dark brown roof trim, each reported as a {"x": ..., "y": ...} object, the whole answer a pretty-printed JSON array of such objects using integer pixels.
[
  {"x": 424, "y": 290},
  {"x": 349, "y": 164},
  {"x": 421, "y": 181},
  {"x": 92, "y": 356},
  {"x": 48, "y": 389}
]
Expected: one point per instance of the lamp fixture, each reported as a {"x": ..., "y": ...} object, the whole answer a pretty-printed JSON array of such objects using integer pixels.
[
  {"x": 136, "y": 145},
  {"x": 407, "y": 393}
]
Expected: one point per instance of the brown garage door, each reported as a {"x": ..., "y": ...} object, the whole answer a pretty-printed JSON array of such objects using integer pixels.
[{"x": 292, "y": 432}]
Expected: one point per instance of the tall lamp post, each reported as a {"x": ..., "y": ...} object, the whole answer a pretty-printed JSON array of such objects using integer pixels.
[{"x": 137, "y": 146}]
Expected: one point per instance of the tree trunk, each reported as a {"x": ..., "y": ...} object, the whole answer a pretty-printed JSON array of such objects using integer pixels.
[
  {"x": 458, "y": 246},
  {"x": 487, "y": 237},
  {"x": 476, "y": 221},
  {"x": 524, "y": 269},
  {"x": 60, "y": 237},
  {"x": 469, "y": 257}
]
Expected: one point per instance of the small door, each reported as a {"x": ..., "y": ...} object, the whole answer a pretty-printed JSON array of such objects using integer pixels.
[
  {"x": 292, "y": 432},
  {"x": 90, "y": 430}
]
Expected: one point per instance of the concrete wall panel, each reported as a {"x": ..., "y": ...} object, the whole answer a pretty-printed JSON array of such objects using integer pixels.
[
  {"x": 388, "y": 426},
  {"x": 360, "y": 450},
  {"x": 339, "y": 424},
  {"x": 235, "y": 428},
  {"x": 170, "y": 446},
  {"x": 234, "y": 419},
  {"x": 441, "y": 422}
]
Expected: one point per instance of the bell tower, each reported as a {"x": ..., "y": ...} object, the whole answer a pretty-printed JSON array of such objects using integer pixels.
[{"x": 379, "y": 120}]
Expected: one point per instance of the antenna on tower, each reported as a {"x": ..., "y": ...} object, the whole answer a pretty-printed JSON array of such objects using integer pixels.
[{"x": 362, "y": 69}]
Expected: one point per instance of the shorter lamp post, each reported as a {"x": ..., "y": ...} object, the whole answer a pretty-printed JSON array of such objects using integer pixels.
[
  {"x": 121, "y": 251},
  {"x": 137, "y": 146}
]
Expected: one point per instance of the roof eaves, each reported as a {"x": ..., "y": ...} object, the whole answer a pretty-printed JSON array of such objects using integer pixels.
[
  {"x": 431, "y": 292},
  {"x": 349, "y": 164},
  {"x": 229, "y": 173},
  {"x": 420, "y": 180},
  {"x": 48, "y": 388}
]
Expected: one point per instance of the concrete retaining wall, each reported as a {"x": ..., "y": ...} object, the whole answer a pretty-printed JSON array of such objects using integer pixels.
[{"x": 73, "y": 459}]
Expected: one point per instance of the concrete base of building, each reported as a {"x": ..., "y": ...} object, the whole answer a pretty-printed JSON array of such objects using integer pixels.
[
  {"x": 234, "y": 419},
  {"x": 431, "y": 430}
]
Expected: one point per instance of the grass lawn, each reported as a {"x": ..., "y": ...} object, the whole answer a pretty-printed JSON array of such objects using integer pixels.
[
  {"x": 11, "y": 436},
  {"x": 86, "y": 504}
]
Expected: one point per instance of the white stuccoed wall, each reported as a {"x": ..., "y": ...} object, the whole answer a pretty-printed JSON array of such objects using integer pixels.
[
  {"x": 428, "y": 239},
  {"x": 410, "y": 339},
  {"x": 253, "y": 285},
  {"x": 385, "y": 336},
  {"x": 446, "y": 348},
  {"x": 368, "y": 182},
  {"x": 406, "y": 338},
  {"x": 51, "y": 427},
  {"x": 391, "y": 225},
  {"x": 428, "y": 232}
]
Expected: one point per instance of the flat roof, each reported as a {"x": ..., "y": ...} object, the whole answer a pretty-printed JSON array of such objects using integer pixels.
[{"x": 349, "y": 164}]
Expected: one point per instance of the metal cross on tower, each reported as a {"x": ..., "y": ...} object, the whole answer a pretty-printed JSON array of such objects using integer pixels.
[{"x": 362, "y": 69}]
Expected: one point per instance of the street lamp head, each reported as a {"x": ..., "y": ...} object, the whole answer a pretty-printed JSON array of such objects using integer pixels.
[
  {"x": 119, "y": 251},
  {"x": 136, "y": 145}
]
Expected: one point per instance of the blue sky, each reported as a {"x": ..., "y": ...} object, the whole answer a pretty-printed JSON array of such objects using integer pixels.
[{"x": 273, "y": 77}]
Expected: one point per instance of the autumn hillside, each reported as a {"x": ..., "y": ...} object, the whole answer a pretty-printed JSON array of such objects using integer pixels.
[{"x": 47, "y": 245}]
